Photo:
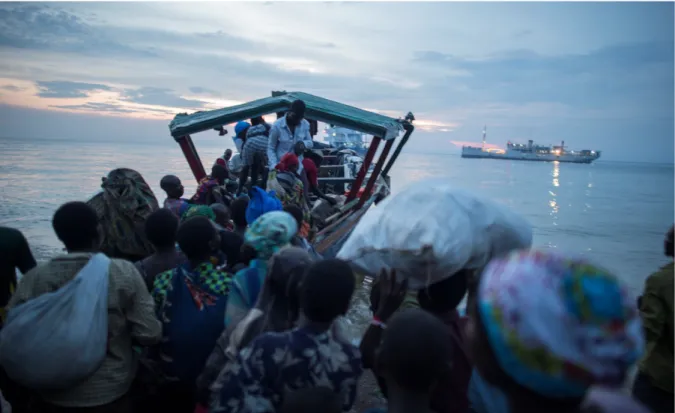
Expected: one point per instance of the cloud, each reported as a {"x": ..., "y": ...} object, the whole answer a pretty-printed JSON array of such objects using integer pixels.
[
  {"x": 623, "y": 73},
  {"x": 64, "y": 89},
  {"x": 40, "y": 27},
  {"x": 522, "y": 33},
  {"x": 204, "y": 91},
  {"x": 11, "y": 88},
  {"x": 96, "y": 107},
  {"x": 111, "y": 108},
  {"x": 160, "y": 97}
]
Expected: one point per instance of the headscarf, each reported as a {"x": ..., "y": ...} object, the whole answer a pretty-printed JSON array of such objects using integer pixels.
[
  {"x": 287, "y": 162},
  {"x": 240, "y": 127},
  {"x": 271, "y": 232},
  {"x": 558, "y": 325},
  {"x": 199, "y": 211}
]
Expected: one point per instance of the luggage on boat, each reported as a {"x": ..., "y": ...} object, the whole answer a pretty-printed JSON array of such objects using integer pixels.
[
  {"x": 431, "y": 230},
  {"x": 260, "y": 203},
  {"x": 58, "y": 339}
]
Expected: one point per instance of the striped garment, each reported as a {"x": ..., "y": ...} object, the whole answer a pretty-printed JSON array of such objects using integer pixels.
[{"x": 254, "y": 145}]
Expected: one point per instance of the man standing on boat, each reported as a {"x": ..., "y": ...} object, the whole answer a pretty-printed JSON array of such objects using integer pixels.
[{"x": 286, "y": 132}]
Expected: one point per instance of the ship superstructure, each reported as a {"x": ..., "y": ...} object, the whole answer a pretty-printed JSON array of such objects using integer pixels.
[{"x": 531, "y": 152}]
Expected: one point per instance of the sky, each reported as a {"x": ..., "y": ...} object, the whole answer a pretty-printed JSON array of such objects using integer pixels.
[{"x": 596, "y": 75}]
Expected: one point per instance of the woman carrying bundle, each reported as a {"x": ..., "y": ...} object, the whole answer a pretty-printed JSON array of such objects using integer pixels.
[{"x": 289, "y": 187}]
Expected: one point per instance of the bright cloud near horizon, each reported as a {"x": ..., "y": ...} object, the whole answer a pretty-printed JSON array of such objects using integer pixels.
[{"x": 596, "y": 75}]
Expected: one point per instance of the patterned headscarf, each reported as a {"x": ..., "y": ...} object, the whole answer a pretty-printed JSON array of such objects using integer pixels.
[
  {"x": 199, "y": 211},
  {"x": 271, "y": 232},
  {"x": 558, "y": 325}
]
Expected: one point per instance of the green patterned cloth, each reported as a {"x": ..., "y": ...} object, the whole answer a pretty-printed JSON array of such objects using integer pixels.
[
  {"x": 217, "y": 281},
  {"x": 199, "y": 211}
]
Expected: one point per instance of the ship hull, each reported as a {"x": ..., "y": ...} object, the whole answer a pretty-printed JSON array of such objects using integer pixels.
[{"x": 472, "y": 153}]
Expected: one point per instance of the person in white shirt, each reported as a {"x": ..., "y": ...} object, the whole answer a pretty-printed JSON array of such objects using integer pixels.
[{"x": 286, "y": 132}]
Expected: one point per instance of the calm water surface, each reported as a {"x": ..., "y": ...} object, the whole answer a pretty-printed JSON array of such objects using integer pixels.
[{"x": 614, "y": 213}]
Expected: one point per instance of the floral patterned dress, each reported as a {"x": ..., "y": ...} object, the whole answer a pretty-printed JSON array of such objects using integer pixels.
[{"x": 275, "y": 363}]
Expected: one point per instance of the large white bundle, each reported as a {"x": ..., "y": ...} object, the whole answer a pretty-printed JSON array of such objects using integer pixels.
[
  {"x": 60, "y": 338},
  {"x": 431, "y": 230}
]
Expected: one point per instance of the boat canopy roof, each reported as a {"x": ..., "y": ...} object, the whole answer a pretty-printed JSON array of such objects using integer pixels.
[{"x": 319, "y": 109}]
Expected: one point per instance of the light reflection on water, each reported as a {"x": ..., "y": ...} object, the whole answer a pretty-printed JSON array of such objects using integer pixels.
[{"x": 604, "y": 208}]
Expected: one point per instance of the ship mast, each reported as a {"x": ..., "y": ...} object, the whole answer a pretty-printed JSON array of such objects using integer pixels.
[{"x": 484, "y": 132}]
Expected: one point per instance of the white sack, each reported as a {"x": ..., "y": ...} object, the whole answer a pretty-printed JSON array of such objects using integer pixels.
[
  {"x": 60, "y": 338},
  {"x": 431, "y": 230}
]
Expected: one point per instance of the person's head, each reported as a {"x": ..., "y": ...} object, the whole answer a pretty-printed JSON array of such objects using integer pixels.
[
  {"x": 257, "y": 121},
  {"x": 172, "y": 185},
  {"x": 160, "y": 229},
  {"x": 228, "y": 154},
  {"x": 299, "y": 148},
  {"x": 312, "y": 400},
  {"x": 668, "y": 245},
  {"x": 279, "y": 300},
  {"x": 247, "y": 254},
  {"x": 296, "y": 213},
  {"x": 288, "y": 163},
  {"x": 219, "y": 173},
  {"x": 199, "y": 211},
  {"x": 316, "y": 156},
  {"x": 286, "y": 270},
  {"x": 238, "y": 212},
  {"x": 240, "y": 129},
  {"x": 445, "y": 295},
  {"x": 326, "y": 290},
  {"x": 198, "y": 239},
  {"x": 230, "y": 245},
  {"x": 415, "y": 353},
  {"x": 575, "y": 320},
  {"x": 76, "y": 226},
  {"x": 296, "y": 113},
  {"x": 222, "y": 214},
  {"x": 271, "y": 232}
]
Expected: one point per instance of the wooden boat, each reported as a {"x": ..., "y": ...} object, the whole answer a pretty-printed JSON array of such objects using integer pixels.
[{"x": 369, "y": 185}]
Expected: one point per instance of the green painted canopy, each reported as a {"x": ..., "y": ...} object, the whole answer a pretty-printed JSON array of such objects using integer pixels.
[{"x": 319, "y": 109}]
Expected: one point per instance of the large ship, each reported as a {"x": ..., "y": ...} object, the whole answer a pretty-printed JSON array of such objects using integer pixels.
[
  {"x": 530, "y": 152},
  {"x": 342, "y": 138}
]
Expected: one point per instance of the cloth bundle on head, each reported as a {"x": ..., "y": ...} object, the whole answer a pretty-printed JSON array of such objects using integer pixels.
[
  {"x": 271, "y": 232},
  {"x": 126, "y": 201},
  {"x": 261, "y": 203},
  {"x": 558, "y": 325},
  {"x": 287, "y": 162}
]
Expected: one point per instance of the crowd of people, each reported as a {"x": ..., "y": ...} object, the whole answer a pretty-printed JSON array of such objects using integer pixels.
[{"x": 213, "y": 308}]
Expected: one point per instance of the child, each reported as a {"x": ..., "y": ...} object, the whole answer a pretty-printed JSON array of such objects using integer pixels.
[{"x": 173, "y": 187}]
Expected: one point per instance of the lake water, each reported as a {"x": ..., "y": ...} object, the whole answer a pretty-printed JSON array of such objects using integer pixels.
[{"x": 615, "y": 213}]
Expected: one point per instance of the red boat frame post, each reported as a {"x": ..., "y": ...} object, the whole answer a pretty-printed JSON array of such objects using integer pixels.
[
  {"x": 356, "y": 185},
  {"x": 376, "y": 173},
  {"x": 192, "y": 157}
]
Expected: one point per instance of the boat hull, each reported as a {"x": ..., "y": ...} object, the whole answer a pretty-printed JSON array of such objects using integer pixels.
[{"x": 472, "y": 153}]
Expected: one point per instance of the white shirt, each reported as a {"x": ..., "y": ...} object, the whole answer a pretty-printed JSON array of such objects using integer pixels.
[
  {"x": 282, "y": 141},
  {"x": 238, "y": 143}
]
